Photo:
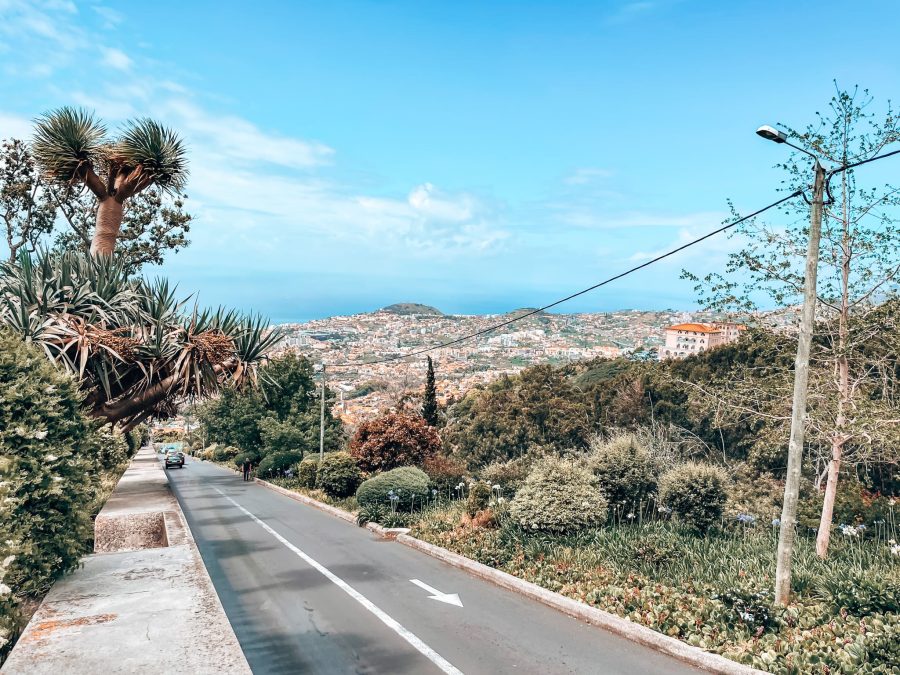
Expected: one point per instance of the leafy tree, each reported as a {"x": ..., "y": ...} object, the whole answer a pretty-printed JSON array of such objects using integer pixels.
[
  {"x": 539, "y": 408},
  {"x": 72, "y": 147},
  {"x": 282, "y": 415},
  {"x": 429, "y": 398},
  {"x": 393, "y": 440},
  {"x": 859, "y": 264},
  {"x": 27, "y": 211}
]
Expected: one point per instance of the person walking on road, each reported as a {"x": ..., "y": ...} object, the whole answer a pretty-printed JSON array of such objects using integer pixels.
[{"x": 246, "y": 469}]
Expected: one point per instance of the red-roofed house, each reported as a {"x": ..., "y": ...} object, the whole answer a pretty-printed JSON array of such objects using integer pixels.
[{"x": 685, "y": 339}]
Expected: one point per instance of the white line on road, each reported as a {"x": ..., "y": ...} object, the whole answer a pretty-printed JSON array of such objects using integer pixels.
[
  {"x": 420, "y": 646},
  {"x": 449, "y": 598}
]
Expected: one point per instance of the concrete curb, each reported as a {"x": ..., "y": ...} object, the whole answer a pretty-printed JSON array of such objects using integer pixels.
[{"x": 635, "y": 632}]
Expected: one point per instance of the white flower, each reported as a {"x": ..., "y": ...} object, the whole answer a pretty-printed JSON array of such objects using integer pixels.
[
  {"x": 895, "y": 549},
  {"x": 4, "y": 590},
  {"x": 496, "y": 487}
]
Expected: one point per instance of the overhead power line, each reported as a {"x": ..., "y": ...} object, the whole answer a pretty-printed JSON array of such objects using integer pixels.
[{"x": 532, "y": 312}]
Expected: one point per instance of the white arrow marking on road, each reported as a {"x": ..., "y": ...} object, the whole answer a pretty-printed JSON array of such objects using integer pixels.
[{"x": 449, "y": 598}]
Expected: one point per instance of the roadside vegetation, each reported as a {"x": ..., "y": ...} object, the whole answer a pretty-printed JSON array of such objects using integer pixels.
[{"x": 621, "y": 485}]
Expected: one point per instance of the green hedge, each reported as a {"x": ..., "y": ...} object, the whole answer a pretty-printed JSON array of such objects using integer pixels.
[
  {"x": 47, "y": 476},
  {"x": 408, "y": 484}
]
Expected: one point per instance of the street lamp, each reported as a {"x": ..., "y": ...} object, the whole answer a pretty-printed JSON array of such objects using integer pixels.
[{"x": 787, "y": 530}]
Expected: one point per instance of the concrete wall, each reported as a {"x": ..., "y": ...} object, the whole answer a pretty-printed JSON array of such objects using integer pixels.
[{"x": 143, "y": 603}]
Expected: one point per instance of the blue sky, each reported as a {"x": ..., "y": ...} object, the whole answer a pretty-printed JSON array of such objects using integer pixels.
[{"x": 477, "y": 156}]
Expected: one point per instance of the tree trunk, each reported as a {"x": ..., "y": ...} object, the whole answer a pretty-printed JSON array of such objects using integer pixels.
[
  {"x": 109, "y": 220},
  {"x": 839, "y": 436},
  {"x": 823, "y": 538}
]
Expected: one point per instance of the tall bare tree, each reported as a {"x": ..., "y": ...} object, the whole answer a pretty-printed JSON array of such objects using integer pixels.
[
  {"x": 71, "y": 147},
  {"x": 858, "y": 268}
]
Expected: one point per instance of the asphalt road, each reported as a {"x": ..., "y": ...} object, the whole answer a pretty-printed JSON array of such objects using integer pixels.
[{"x": 308, "y": 593}]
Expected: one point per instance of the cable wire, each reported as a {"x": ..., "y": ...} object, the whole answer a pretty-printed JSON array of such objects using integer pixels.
[{"x": 484, "y": 331}]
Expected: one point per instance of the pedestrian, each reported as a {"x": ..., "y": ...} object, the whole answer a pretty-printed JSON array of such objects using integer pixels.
[{"x": 246, "y": 468}]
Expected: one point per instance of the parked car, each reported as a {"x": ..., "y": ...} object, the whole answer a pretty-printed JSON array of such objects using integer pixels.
[{"x": 174, "y": 458}]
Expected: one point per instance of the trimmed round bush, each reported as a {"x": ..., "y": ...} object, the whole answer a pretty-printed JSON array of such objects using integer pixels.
[
  {"x": 559, "y": 496},
  {"x": 409, "y": 484},
  {"x": 479, "y": 498},
  {"x": 696, "y": 493},
  {"x": 276, "y": 463},
  {"x": 338, "y": 475},
  {"x": 306, "y": 472},
  {"x": 624, "y": 470},
  {"x": 394, "y": 440}
]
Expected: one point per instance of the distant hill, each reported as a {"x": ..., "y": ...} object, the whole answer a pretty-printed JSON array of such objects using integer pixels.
[{"x": 406, "y": 308}]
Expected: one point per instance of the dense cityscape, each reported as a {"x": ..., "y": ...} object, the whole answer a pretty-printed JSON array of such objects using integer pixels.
[{"x": 354, "y": 348}]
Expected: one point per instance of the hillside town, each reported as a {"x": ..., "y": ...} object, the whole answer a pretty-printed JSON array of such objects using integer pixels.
[{"x": 361, "y": 352}]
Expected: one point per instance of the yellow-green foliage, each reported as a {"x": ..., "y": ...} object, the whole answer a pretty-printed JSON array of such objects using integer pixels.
[
  {"x": 696, "y": 493},
  {"x": 559, "y": 495}
]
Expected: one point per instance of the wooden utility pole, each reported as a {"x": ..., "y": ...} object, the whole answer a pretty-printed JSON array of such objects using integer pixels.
[{"x": 788, "y": 531}]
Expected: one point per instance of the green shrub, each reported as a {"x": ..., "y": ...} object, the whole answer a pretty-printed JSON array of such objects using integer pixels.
[
  {"x": 48, "y": 476},
  {"x": 509, "y": 475},
  {"x": 479, "y": 498},
  {"x": 408, "y": 484},
  {"x": 276, "y": 463},
  {"x": 338, "y": 475},
  {"x": 224, "y": 453},
  {"x": 624, "y": 468},
  {"x": 696, "y": 493},
  {"x": 560, "y": 496},
  {"x": 306, "y": 472},
  {"x": 112, "y": 451}
]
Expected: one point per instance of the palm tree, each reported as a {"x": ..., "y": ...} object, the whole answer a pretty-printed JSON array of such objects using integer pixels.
[
  {"x": 72, "y": 147},
  {"x": 133, "y": 346}
]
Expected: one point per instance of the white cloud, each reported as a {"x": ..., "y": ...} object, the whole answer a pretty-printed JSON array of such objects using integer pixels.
[
  {"x": 234, "y": 138},
  {"x": 428, "y": 201},
  {"x": 116, "y": 58},
  {"x": 13, "y": 126}
]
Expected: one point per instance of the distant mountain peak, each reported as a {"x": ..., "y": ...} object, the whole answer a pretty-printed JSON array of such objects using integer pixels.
[{"x": 407, "y": 308}]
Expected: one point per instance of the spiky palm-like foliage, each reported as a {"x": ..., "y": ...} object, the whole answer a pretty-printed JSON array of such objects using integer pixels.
[
  {"x": 73, "y": 147},
  {"x": 131, "y": 342}
]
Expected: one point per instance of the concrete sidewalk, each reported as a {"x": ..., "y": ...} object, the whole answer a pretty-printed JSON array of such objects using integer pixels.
[{"x": 145, "y": 604}]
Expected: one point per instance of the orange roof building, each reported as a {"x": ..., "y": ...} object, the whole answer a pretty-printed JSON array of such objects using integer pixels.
[{"x": 686, "y": 339}]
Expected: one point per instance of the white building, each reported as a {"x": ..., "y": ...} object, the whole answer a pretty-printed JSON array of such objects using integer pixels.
[{"x": 686, "y": 339}]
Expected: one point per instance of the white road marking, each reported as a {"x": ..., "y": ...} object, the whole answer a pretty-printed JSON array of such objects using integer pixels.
[
  {"x": 449, "y": 598},
  {"x": 391, "y": 623}
]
